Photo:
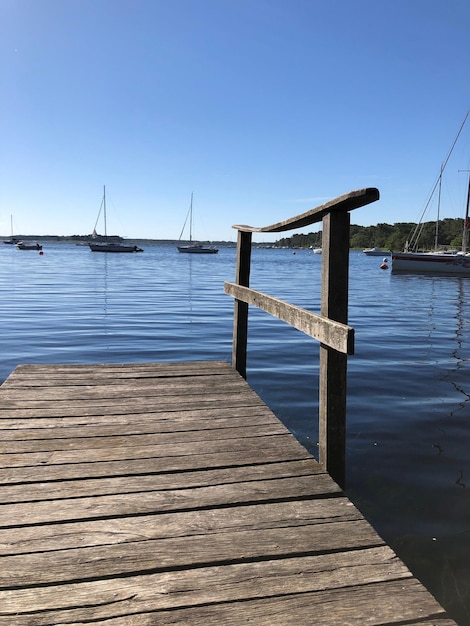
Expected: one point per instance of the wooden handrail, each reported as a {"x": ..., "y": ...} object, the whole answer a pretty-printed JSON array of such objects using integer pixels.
[
  {"x": 330, "y": 327},
  {"x": 346, "y": 202},
  {"x": 332, "y": 334}
]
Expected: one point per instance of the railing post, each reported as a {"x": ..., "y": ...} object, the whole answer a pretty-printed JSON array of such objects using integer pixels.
[
  {"x": 333, "y": 365},
  {"x": 240, "y": 322}
]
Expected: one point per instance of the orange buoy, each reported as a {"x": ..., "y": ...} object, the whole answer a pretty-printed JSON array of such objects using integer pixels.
[{"x": 384, "y": 266}]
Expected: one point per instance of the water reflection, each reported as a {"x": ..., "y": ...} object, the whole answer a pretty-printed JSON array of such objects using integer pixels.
[{"x": 409, "y": 463}]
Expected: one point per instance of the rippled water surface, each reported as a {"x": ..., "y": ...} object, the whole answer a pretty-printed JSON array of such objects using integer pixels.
[{"x": 408, "y": 446}]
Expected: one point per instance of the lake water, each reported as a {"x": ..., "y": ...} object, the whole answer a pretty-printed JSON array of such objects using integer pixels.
[{"x": 408, "y": 442}]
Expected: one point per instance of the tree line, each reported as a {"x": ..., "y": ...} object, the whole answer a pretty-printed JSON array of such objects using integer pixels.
[{"x": 388, "y": 236}]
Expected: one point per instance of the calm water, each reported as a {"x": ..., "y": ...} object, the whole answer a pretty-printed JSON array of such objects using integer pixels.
[{"x": 408, "y": 384}]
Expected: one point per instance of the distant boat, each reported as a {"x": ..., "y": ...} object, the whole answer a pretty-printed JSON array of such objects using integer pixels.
[
  {"x": 376, "y": 252},
  {"x": 317, "y": 250},
  {"x": 12, "y": 240},
  {"x": 107, "y": 244},
  {"x": 441, "y": 262},
  {"x": 194, "y": 247},
  {"x": 28, "y": 245}
]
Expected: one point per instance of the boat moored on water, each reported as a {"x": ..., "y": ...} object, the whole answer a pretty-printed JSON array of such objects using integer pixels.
[
  {"x": 13, "y": 240},
  {"x": 112, "y": 246},
  {"x": 28, "y": 245},
  {"x": 105, "y": 243},
  {"x": 376, "y": 252},
  {"x": 439, "y": 261},
  {"x": 194, "y": 247},
  {"x": 198, "y": 248},
  {"x": 452, "y": 263}
]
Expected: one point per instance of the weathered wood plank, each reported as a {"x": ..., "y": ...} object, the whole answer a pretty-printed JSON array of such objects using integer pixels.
[
  {"x": 158, "y": 501},
  {"x": 346, "y": 202},
  {"x": 137, "y": 404},
  {"x": 147, "y": 465},
  {"x": 128, "y": 529},
  {"x": 30, "y": 429},
  {"x": 333, "y": 334},
  {"x": 126, "y": 370},
  {"x": 89, "y": 486},
  {"x": 191, "y": 448},
  {"x": 102, "y": 412},
  {"x": 41, "y": 420},
  {"x": 146, "y": 389},
  {"x": 100, "y": 441},
  {"x": 393, "y": 603},
  {"x": 210, "y": 585},
  {"x": 141, "y": 557}
]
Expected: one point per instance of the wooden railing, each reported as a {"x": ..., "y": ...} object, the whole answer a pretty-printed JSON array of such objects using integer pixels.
[{"x": 329, "y": 328}]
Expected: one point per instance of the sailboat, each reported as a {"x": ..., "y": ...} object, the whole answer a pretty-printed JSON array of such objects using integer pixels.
[
  {"x": 12, "y": 240},
  {"x": 108, "y": 244},
  {"x": 442, "y": 262},
  {"x": 194, "y": 247}
]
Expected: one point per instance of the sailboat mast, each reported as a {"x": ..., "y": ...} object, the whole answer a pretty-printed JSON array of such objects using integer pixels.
[
  {"x": 104, "y": 211},
  {"x": 436, "y": 239},
  {"x": 191, "y": 220},
  {"x": 466, "y": 223}
]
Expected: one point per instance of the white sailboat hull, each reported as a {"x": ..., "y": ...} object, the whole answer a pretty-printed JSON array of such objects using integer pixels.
[
  {"x": 113, "y": 247},
  {"x": 197, "y": 249},
  {"x": 431, "y": 263}
]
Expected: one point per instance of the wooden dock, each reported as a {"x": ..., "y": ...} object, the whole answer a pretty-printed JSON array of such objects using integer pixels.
[{"x": 168, "y": 493}]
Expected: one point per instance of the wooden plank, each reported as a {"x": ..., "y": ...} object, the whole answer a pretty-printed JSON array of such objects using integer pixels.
[
  {"x": 332, "y": 334},
  {"x": 40, "y": 419},
  {"x": 143, "y": 557},
  {"x": 158, "y": 500},
  {"x": 282, "y": 443},
  {"x": 210, "y": 585},
  {"x": 131, "y": 440},
  {"x": 223, "y": 383},
  {"x": 394, "y": 602},
  {"x": 27, "y": 429},
  {"x": 252, "y": 455},
  {"x": 346, "y": 202},
  {"x": 43, "y": 490},
  {"x": 86, "y": 533},
  {"x": 130, "y": 404},
  {"x": 157, "y": 600}
]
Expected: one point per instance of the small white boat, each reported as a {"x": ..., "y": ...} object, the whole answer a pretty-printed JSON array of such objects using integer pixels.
[
  {"x": 376, "y": 252},
  {"x": 194, "y": 247},
  {"x": 28, "y": 245},
  {"x": 317, "y": 250},
  {"x": 105, "y": 243}
]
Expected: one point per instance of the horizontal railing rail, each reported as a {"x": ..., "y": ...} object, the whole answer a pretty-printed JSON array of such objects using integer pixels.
[
  {"x": 332, "y": 334},
  {"x": 329, "y": 328}
]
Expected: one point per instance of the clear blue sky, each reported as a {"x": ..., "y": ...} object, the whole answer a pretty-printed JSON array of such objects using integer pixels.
[{"x": 262, "y": 108}]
